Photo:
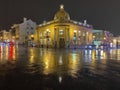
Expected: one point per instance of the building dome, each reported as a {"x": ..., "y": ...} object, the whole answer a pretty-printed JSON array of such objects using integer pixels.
[{"x": 62, "y": 15}]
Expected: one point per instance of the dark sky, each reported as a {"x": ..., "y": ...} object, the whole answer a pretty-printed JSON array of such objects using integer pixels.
[{"x": 102, "y": 14}]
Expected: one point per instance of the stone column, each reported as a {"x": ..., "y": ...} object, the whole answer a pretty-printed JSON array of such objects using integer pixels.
[
  {"x": 68, "y": 37},
  {"x": 81, "y": 40},
  {"x": 55, "y": 42},
  {"x": 54, "y": 34}
]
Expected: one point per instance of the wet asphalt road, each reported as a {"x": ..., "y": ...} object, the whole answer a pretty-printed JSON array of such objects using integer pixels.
[{"x": 34, "y": 68}]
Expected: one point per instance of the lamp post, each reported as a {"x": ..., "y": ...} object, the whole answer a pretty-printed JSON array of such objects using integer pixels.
[
  {"x": 32, "y": 38},
  {"x": 93, "y": 39},
  {"x": 105, "y": 42}
]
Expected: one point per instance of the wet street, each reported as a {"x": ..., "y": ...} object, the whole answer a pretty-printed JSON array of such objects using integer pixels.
[{"x": 34, "y": 68}]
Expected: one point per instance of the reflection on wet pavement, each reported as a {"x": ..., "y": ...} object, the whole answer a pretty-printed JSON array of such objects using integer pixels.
[{"x": 59, "y": 69}]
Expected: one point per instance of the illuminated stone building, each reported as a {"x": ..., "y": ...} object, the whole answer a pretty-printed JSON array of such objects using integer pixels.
[
  {"x": 116, "y": 42},
  {"x": 4, "y": 36},
  {"x": 23, "y": 33},
  {"x": 26, "y": 32},
  {"x": 14, "y": 33},
  {"x": 62, "y": 32}
]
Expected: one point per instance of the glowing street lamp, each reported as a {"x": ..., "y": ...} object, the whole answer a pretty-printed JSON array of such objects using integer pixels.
[
  {"x": 104, "y": 38},
  {"x": 75, "y": 31},
  {"x": 93, "y": 37},
  {"x": 32, "y": 36}
]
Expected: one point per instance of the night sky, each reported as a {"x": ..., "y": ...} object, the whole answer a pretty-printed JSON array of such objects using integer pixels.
[{"x": 102, "y": 14}]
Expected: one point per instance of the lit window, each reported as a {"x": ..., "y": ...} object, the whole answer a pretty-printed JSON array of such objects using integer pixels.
[
  {"x": 87, "y": 33},
  {"x": 79, "y": 33},
  {"x": 61, "y": 32},
  {"x": 74, "y": 37},
  {"x": 40, "y": 36},
  {"x": 83, "y": 33}
]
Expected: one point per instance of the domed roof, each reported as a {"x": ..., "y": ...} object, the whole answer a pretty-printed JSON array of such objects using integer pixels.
[{"x": 62, "y": 15}]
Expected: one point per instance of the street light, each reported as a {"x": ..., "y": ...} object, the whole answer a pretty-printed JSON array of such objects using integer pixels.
[
  {"x": 93, "y": 37},
  {"x": 104, "y": 38},
  {"x": 32, "y": 37}
]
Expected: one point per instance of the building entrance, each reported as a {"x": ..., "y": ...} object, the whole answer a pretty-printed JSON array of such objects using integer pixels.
[{"x": 61, "y": 43}]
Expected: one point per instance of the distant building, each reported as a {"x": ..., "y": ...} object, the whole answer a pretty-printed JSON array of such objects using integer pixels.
[
  {"x": 116, "y": 42},
  {"x": 102, "y": 37},
  {"x": 4, "y": 36},
  {"x": 14, "y": 33},
  {"x": 27, "y": 31},
  {"x": 98, "y": 36},
  {"x": 63, "y": 32},
  {"x": 23, "y": 33}
]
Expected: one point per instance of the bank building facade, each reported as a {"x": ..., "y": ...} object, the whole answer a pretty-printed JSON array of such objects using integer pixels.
[{"x": 62, "y": 32}]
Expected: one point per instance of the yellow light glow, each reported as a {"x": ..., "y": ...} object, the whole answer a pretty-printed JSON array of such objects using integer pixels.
[
  {"x": 49, "y": 63},
  {"x": 104, "y": 55},
  {"x": 114, "y": 40},
  {"x": 32, "y": 55},
  {"x": 60, "y": 79},
  {"x": 73, "y": 64},
  {"x": 93, "y": 56},
  {"x": 60, "y": 61},
  {"x": 7, "y": 51},
  {"x": 87, "y": 33},
  {"x": 62, "y": 6},
  {"x": 13, "y": 37},
  {"x": 47, "y": 29},
  {"x": 75, "y": 31},
  {"x": 93, "y": 36},
  {"x": 32, "y": 35},
  {"x": 104, "y": 38},
  {"x": 118, "y": 54}
]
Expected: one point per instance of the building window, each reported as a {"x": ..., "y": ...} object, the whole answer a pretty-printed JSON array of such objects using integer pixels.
[
  {"x": 74, "y": 37},
  {"x": 40, "y": 36},
  {"x": 44, "y": 34},
  {"x": 26, "y": 37},
  {"x": 31, "y": 28},
  {"x": 27, "y": 32},
  {"x": 79, "y": 35},
  {"x": 83, "y": 33},
  {"x": 61, "y": 32}
]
